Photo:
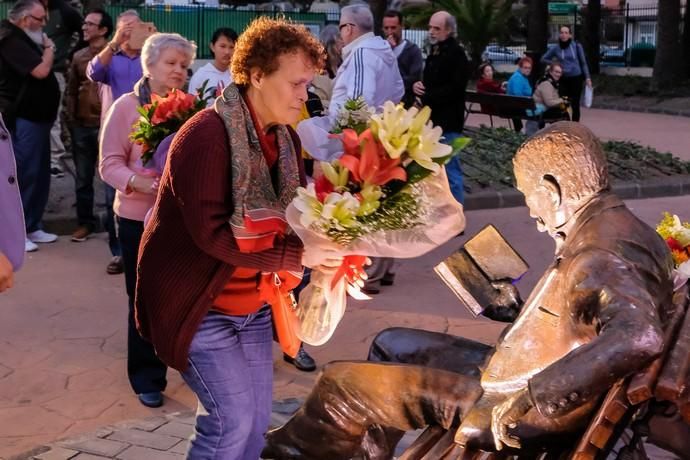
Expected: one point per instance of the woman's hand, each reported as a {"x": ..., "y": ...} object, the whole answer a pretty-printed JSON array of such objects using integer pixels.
[
  {"x": 6, "y": 273},
  {"x": 144, "y": 184}
]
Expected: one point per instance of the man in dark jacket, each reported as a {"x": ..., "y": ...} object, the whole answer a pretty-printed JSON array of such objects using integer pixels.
[
  {"x": 443, "y": 87},
  {"x": 410, "y": 61},
  {"x": 29, "y": 98}
]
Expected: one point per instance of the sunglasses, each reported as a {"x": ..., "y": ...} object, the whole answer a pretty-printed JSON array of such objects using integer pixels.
[
  {"x": 41, "y": 19},
  {"x": 340, "y": 27}
]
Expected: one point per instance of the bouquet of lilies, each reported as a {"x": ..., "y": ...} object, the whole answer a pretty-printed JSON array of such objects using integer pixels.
[
  {"x": 385, "y": 196},
  {"x": 677, "y": 237}
]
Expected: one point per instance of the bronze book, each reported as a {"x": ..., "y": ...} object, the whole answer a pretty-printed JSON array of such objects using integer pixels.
[{"x": 485, "y": 258}]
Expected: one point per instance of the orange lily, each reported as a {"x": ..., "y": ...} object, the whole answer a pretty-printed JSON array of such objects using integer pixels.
[{"x": 367, "y": 159}]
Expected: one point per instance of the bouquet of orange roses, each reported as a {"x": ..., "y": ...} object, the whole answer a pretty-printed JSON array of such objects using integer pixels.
[
  {"x": 385, "y": 196},
  {"x": 677, "y": 237},
  {"x": 164, "y": 116}
]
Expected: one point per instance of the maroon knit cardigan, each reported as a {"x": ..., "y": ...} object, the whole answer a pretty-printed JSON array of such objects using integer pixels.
[{"x": 188, "y": 252}]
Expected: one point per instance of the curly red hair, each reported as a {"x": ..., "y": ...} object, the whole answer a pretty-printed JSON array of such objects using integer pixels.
[{"x": 265, "y": 40}]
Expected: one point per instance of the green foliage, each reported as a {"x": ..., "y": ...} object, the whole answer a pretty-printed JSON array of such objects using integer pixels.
[
  {"x": 479, "y": 21},
  {"x": 487, "y": 161}
]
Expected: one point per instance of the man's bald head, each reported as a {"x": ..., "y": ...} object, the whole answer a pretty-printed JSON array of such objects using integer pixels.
[{"x": 442, "y": 25}]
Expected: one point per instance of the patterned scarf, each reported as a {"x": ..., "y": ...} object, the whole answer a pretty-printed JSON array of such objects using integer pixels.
[{"x": 259, "y": 214}]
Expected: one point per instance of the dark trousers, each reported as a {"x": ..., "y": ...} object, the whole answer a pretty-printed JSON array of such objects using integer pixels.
[
  {"x": 31, "y": 142},
  {"x": 110, "y": 227},
  {"x": 517, "y": 124},
  {"x": 145, "y": 371},
  {"x": 571, "y": 87},
  {"x": 85, "y": 152}
]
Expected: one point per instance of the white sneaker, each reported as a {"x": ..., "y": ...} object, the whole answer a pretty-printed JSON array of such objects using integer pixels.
[
  {"x": 30, "y": 246},
  {"x": 39, "y": 236}
]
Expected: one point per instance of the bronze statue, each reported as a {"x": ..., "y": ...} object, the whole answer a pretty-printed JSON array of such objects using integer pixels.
[{"x": 597, "y": 315}]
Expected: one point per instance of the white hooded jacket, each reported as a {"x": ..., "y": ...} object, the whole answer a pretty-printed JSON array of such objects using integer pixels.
[{"x": 369, "y": 69}]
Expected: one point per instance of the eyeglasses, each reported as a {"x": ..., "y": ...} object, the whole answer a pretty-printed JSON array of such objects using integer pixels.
[
  {"x": 340, "y": 27},
  {"x": 42, "y": 19},
  {"x": 90, "y": 24}
]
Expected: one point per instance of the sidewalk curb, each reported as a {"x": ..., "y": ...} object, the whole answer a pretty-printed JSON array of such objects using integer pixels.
[
  {"x": 640, "y": 109},
  {"x": 651, "y": 188}
]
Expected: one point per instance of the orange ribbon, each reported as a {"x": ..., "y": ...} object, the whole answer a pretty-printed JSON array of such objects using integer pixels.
[{"x": 350, "y": 269}]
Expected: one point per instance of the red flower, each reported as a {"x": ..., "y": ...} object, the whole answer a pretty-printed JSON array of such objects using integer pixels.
[
  {"x": 367, "y": 160},
  {"x": 323, "y": 187},
  {"x": 173, "y": 105},
  {"x": 674, "y": 244}
]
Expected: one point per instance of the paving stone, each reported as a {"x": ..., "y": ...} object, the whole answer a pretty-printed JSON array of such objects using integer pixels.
[
  {"x": 88, "y": 457},
  {"x": 188, "y": 418},
  {"x": 176, "y": 429},
  {"x": 57, "y": 453},
  {"x": 180, "y": 447},
  {"x": 141, "y": 453},
  {"x": 147, "y": 424},
  {"x": 98, "y": 446},
  {"x": 144, "y": 439}
]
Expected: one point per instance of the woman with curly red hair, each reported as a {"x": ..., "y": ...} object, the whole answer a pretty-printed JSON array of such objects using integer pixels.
[{"x": 218, "y": 227}]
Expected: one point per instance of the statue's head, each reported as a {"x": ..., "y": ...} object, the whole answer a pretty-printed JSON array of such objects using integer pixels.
[{"x": 559, "y": 170}]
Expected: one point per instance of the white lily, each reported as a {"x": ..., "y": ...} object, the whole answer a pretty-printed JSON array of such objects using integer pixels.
[
  {"x": 392, "y": 128},
  {"x": 308, "y": 205},
  {"x": 428, "y": 146}
]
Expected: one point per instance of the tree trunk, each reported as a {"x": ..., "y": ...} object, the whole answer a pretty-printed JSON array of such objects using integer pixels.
[
  {"x": 667, "y": 62},
  {"x": 686, "y": 42},
  {"x": 592, "y": 36},
  {"x": 378, "y": 7},
  {"x": 537, "y": 34}
]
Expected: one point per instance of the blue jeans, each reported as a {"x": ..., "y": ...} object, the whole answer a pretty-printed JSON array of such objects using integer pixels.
[
  {"x": 31, "y": 142},
  {"x": 231, "y": 372},
  {"x": 454, "y": 170}
]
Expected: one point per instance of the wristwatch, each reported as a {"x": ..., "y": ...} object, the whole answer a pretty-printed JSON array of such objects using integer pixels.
[{"x": 53, "y": 47}]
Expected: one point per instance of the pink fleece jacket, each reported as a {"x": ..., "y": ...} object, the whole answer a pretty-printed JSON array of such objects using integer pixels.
[{"x": 120, "y": 158}]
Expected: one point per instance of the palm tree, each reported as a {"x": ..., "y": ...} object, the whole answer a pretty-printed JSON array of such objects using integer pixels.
[{"x": 479, "y": 21}]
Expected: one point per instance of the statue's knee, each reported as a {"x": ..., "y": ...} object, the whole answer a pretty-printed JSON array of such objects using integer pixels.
[{"x": 382, "y": 345}]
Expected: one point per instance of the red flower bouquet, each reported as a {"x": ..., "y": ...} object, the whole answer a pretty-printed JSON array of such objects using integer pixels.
[{"x": 164, "y": 116}]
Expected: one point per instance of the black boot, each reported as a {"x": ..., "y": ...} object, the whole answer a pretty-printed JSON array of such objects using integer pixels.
[{"x": 302, "y": 361}]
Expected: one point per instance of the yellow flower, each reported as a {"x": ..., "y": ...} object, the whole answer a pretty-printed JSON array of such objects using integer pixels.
[
  {"x": 340, "y": 210},
  {"x": 428, "y": 147},
  {"x": 370, "y": 199},
  {"x": 391, "y": 128},
  {"x": 336, "y": 174}
]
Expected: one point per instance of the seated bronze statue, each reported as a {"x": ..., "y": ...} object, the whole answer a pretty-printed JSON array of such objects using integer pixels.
[{"x": 596, "y": 316}]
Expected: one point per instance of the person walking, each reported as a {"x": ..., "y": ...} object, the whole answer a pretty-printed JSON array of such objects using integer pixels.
[
  {"x": 29, "y": 100},
  {"x": 571, "y": 56},
  {"x": 165, "y": 59},
  {"x": 83, "y": 109},
  {"x": 443, "y": 88},
  {"x": 202, "y": 263},
  {"x": 216, "y": 74},
  {"x": 12, "y": 236}
]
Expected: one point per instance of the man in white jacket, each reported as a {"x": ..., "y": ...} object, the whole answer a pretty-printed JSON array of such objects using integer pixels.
[{"x": 369, "y": 68}]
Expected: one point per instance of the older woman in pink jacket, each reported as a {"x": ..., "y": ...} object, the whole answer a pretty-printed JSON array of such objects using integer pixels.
[
  {"x": 12, "y": 236},
  {"x": 165, "y": 59}
]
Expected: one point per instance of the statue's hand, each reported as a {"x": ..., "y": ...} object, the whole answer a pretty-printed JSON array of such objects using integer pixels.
[
  {"x": 507, "y": 415},
  {"x": 506, "y": 304}
]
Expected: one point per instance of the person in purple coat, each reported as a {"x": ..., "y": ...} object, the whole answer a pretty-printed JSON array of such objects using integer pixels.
[{"x": 13, "y": 235}]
